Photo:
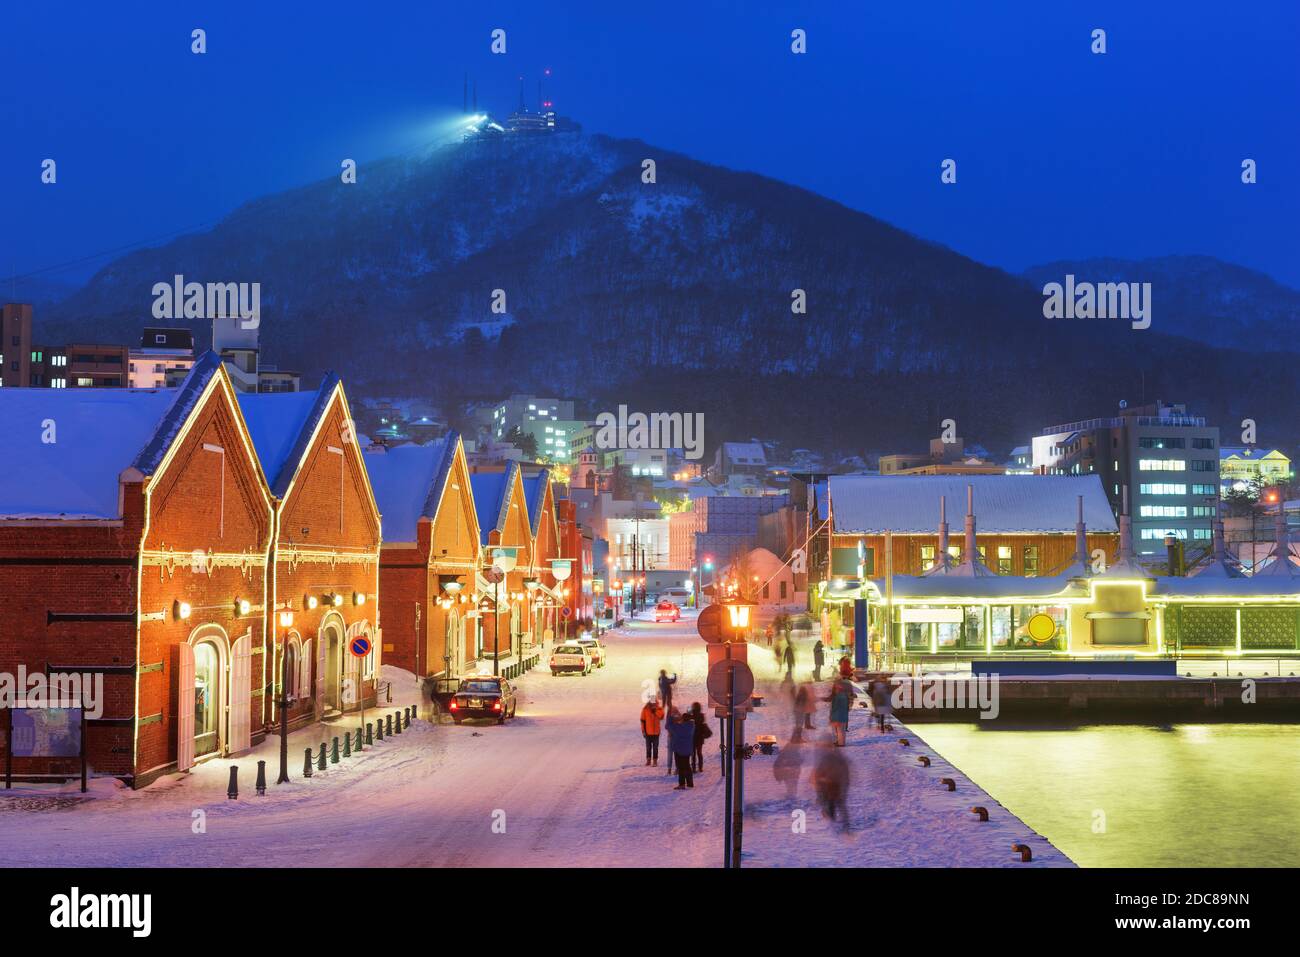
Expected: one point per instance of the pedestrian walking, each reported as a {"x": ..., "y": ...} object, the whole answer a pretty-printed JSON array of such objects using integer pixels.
[
  {"x": 651, "y": 718},
  {"x": 788, "y": 766},
  {"x": 666, "y": 689},
  {"x": 681, "y": 739},
  {"x": 788, "y": 654},
  {"x": 882, "y": 703},
  {"x": 831, "y": 782},
  {"x": 819, "y": 659},
  {"x": 702, "y": 733},
  {"x": 805, "y": 704},
  {"x": 846, "y": 667},
  {"x": 841, "y": 698}
]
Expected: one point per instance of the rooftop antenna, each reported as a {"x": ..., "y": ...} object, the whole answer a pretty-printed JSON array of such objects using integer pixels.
[
  {"x": 476, "y": 96},
  {"x": 521, "y": 94}
]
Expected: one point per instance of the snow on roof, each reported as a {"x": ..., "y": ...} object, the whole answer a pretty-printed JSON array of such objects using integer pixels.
[
  {"x": 1203, "y": 586},
  {"x": 491, "y": 498},
  {"x": 534, "y": 489},
  {"x": 909, "y": 504},
  {"x": 407, "y": 482},
  {"x": 280, "y": 425},
  {"x": 953, "y": 587},
  {"x": 98, "y": 434}
]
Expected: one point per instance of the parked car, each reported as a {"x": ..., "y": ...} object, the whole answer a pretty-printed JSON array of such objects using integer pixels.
[
  {"x": 596, "y": 649},
  {"x": 676, "y": 595},
  {"x": 483, "y": 696},
  {"x": 570, "y": 657},
  {"x": 667, "y": 611}
]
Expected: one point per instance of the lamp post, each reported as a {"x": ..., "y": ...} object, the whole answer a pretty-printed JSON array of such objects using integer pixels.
[
  {"x": 561, "y": 569},
  {"x": 504, "y": 560},
  {"x": 452, "y": 588},
  {"x": 530, "y": 587},
  {"x": 286, "y": 621}
]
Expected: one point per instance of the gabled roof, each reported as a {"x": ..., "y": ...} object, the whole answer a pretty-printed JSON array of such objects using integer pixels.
[
  {"x": 281, "y": 425},
  {"x": 492, "y": 499},
  {"x": 535, "y": 496},
  {"x": 98, "y": 434},
  {"x": 408, "y": 482},
  {"x": 907, "y": 504}
]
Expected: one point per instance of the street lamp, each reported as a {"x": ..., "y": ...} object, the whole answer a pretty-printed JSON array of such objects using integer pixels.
[
  {"x": 286, "y": 622},
  {"x": 504, "y": 559}
]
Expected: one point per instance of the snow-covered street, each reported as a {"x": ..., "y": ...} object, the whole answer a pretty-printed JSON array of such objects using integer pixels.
[{"x": 565, "y": 783}]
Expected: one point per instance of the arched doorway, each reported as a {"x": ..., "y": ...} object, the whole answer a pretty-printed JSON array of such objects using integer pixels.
[
  {"x": 331, "y": 656},
  {"x": 452, "y": 638},
  {"x": 202, "y": 664}
]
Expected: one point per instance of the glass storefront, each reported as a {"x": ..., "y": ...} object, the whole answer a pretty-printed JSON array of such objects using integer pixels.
[{"x": 207, "y": 698}]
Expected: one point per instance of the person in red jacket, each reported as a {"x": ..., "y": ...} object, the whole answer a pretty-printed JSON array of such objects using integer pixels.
[
  {"x": 651, "y": 717},
  {"x": 846, "y": 667}
]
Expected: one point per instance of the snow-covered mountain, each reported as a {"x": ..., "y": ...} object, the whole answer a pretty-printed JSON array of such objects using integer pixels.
[{"x": 675, "y": 295}]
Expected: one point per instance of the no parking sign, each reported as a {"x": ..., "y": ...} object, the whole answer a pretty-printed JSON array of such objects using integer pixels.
[{"x": 359, "y": 646}]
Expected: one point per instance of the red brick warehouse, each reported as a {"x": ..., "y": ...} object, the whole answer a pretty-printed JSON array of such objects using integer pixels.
[
  {"x": 429, "y": 557},
  {"x": 323, "y": 566},
  {"x": 134, "y": 530}
]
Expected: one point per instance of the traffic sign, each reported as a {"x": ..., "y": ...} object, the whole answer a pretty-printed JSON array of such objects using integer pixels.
[
  {"x": 359, "y": 646},
  {"x": 1041, "y": 628},
  {"x": 727, "y": 676},
  {"x": 566, "y": 611},
  {"x": 709, "y": 625}
]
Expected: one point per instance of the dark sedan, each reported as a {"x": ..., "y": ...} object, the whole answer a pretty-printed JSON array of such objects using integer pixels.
[{"x": 483, "y": 696}]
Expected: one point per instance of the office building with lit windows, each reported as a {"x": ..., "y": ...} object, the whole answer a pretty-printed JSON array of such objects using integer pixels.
[{"x": 1156, "y": 460}]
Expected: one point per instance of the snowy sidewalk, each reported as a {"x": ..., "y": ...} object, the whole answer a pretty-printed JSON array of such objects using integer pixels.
[{"x": 899, "y": 812}]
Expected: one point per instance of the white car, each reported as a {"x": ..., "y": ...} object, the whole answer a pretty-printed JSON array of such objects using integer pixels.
[
  {"x": 594, "y": 648},
  {"x": 570, "y": 657}
]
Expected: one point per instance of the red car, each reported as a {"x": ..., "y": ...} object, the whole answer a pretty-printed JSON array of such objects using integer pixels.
[{"x": 667, "y": 611}]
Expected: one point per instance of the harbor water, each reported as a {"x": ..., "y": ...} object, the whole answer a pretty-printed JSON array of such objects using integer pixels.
[{"x": 1177, "y": 795}]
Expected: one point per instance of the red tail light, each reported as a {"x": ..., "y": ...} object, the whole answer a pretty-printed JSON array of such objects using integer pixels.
[
  {"x": 496, "y": 705},
  {"x": 454, "y": 706}
]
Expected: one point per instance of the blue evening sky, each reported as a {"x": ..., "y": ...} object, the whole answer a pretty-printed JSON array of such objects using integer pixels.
[{"x": 1061, "y": 153}]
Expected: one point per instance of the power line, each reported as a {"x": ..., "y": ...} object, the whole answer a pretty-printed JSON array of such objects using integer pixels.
[{"x": 107, "y": 252}]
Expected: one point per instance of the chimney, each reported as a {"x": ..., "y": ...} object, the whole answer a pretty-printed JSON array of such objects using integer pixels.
[
  {"x": 1081, "y": 538},
  {"x": 971, "y": 553}
]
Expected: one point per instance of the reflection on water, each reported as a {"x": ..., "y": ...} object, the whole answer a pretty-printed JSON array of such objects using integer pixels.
[{"x": 1186, "y": 795}]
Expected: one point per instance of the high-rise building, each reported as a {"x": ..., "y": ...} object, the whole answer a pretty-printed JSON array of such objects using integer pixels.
[{"x": 1159, "y": 460}]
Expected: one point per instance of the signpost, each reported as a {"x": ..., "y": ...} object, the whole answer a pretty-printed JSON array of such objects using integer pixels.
[
  {"x": 360, "y": 647},
  {"x": 730, "y": 685}
]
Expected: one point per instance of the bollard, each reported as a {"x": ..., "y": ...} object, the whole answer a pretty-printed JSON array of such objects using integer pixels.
[
  {"x": 398, "y": 723},
  {"x": 981, "y": 812},
  {"x": 904, "y": 742},
  {"x": 347, "y": 744},
  {"x": 320, "y": 762},
  {"x": 1023, "y": 850},
  {"x": 922, "y": 760},
  {"x": 370, "y": 738},
  {"x": 389, "y": 730},
  {"x": 358, "y": 740},
  {"x": 379, "y": 729},
  {"x": 232, "y": 792},
  {"x": 306, "y": 767},
  {"x": 334, "y": 751},
  {"x": 261, "y": 778},
  {"x": 949, "y": 783},
  {"x": 410, "y": 713}
]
